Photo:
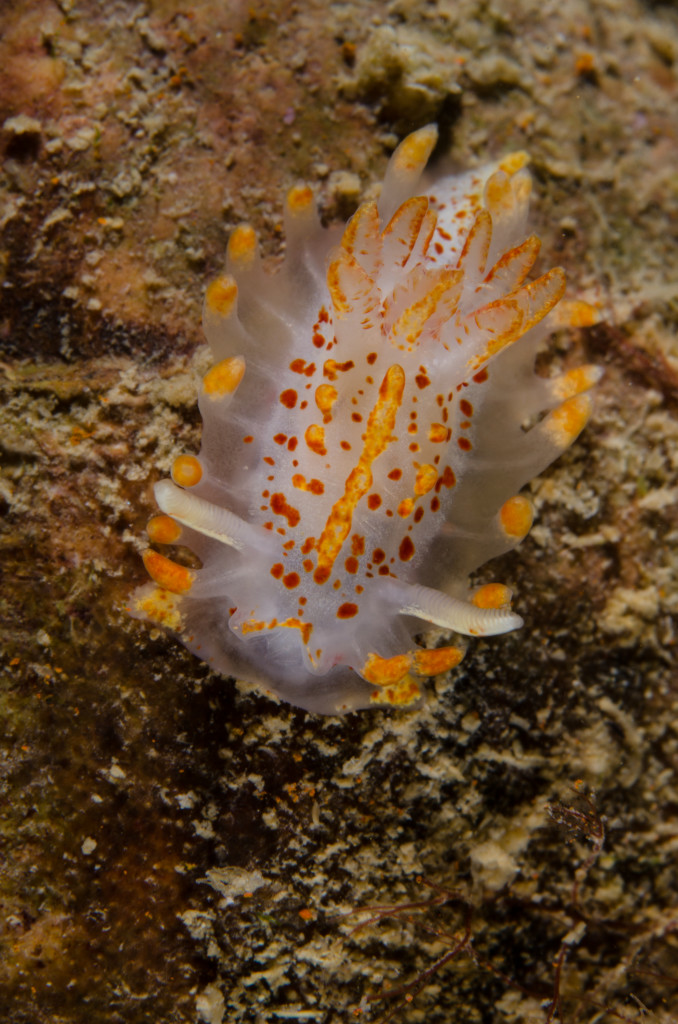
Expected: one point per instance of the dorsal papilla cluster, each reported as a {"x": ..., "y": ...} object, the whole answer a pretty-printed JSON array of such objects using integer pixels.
[{"x": 354, "y": 427}]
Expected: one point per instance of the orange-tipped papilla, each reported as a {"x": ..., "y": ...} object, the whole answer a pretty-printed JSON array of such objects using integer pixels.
[
  {"x": 515, "y": 516},
  {"x": 163, "y": 529},
  {"x": 405, "y": 168},
  {"x": 221, "y": 382},
  {"x": 186, "y": 471},
  {"x": 242, "y": 253},
  {"x": 576, "y": 381},
  {"x": 223, "y": 330},
  {"x": 301, "y": 215},
  {"x": 168, "y": 574},
  {"x": 567, "y": 421},
  {"x": 492, "y": 595}
]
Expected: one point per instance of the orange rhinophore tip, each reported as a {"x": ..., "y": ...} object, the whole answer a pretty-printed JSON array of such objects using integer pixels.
[
  {"x": 168, "y": 574},
  {"x": 300, "y": 200},
  {"x": 516, "y": 516},
  {"x": 186, "y": 471},
  {"x": 568, "y": 420},
  {"x": 163, "y": 530},
  {"x": 492, "y": 595},
  {"x": 242, "y": 246},
  {"x": 441, "y": 659},
  {"x": 224, "y": 378},
  {"x": 413, "y": 152},
  {"x": 221, "y": 295}
]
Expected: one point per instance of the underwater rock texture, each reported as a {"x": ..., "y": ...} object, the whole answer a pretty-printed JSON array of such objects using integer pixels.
[{"x": 173, "y": 846}]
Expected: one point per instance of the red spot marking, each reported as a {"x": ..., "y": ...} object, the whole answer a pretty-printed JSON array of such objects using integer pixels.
[
  {"x": 281, "y": 508},
  {"x": 372, "y": 358},
  {"x": 303, "y": 600},
  {"x": 303, "y": 405},
  {"x": 359, "y": 589},
  {"x": 448, "y": 478},
  {"x": 322, "y": 575},
  {"x": 347, "y": 611},
  {"x": 248, "y": 439},
  {"x": 422, "y": 380},
  {"x": 297, "y": 365},
  {"x": 268, "y": 526},
  {"x": 419, "y": 514},
  {"x": 466, "y": 407},
  {"x": 289, "y": 545},
  {"x": 351, "y": 564},
  {"x": 336, "y": 584},
  {"x": 481, "y": 376},
  {"x": 277, "y": 570},
  {"x": 308, "y": 565},
  {"x": 280, "y": 438},
  {"x": 435, "y": 504},
  {"x": 269, "y": 461},
  {"x": 232, "y": 611},
  {"x": 440, "y": 399},
  {"x": 318, "y": 339},
  {"x": 291, "y": 580},
  {"x": 373, "y": 502},
  {"x": 406, "y": 549},
  {"x": 323, "y": 316},
  {"x": 378, "y": 556},
  {"x": 395, "y": 474},
  {"x": 414, "y": 447},
  {"x": 292, "y": 444},
  {"x": 384, "y": 570},
  {"x": 308, "y": 545},
  {"x": 465, "y": 424},
  {"x": 331, "y": 368},
  {"x": 356, "y": 417},
  {"x": 357, "y": 544},
  {"x": 464, "y": 444},
  {"x": 412, "y": 428}
]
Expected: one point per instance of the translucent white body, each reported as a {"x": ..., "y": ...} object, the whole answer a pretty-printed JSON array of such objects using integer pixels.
[{"x": 364, "y": 437}]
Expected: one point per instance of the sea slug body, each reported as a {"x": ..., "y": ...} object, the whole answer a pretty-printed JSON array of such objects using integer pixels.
[{"x": 371, "y": 413}]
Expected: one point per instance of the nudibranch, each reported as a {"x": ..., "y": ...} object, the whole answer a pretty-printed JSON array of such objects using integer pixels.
[{"x": 372, "y": 410}]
